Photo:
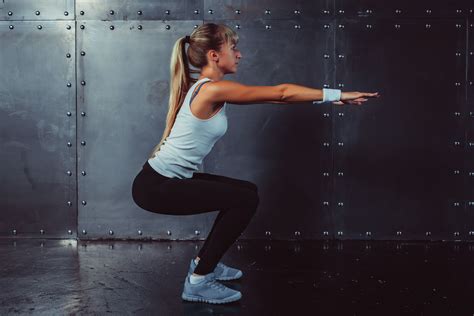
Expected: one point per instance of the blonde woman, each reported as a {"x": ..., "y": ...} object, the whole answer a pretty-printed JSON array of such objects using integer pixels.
[{"x": 168, "y": 182}]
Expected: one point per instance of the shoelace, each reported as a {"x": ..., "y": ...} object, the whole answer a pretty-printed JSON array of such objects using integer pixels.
[{"x": 214, "y": 284}]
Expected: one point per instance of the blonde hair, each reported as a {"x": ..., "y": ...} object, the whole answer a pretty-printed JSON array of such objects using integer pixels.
[{"x": 204, "y": 38}]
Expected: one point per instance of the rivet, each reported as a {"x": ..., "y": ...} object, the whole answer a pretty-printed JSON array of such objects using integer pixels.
[
  {"x": 325, "y": 233},
  {"x": 69, "y": 232},
  {"x": 340, "y": 233},
  {"x": 37, "y": 12},
  {"x": 83, "y": 172},
  {"x": 340, "y": 114},
  {"x": 325, "y": 203},
  {"x": 111, "y": 246},
  {"x": 84, "y": 232},
  {"x": 84, "y": 202},
  {"x": 297, "y": 233},
  {"x": 68, "y": 113},
  {"x": 398, "y": 11},
  {"x": 210, "y": 11},
  {"x": 457, "y": 113},
  {"x": 68, "y": 27},
  {"x": 397, "y": 26},
  {"x": 83, "y": 83},
  {"x": 325, "y": 114},
  {"x": 167, "y": 27},
  {"x": 456, "y": 233},
  {"x": 111, "y": 12},
  {"x": 42, "y": 231},
  {"x": 139, "y": 27},
  {"x": 68, "y": 55},
  {"x": 169, "y": 247},
  {"x": 267, "y": 11},
  {"x": 268, "y": 247},
  {"x": 340, "y": 174},
  {"x": 428, "y": 233},
  {"x": 399, "y": 233},
  {"x": 341, "y": 85},
  {"x": 14, "y": 232},
  {"x": 341, "y": 26},
  {"x": 83, "y": 143},
  {"x": 369, "y": 26},
  {"x": 237, "y": 11},
  {"x": 196, "y": 11},
  {"x": 458, "y": 54},
  {"x": 340, "y": 56},
  {"x": 69, "y": 203},
  {"x": 297, "y": 12},
  {"x": 427, "y": 26},
  {"x": 39, "y": 27},
  {"x": 456, "y": 172},
  {"x": 297, "y": 26},
  {"x": 368, "y": 233},
  {"x": 10, "y": 13},
  {"x": 112, "y": 27},
  {"x": 111, "y": 232},
  {"x": 325, "y": 85},
  {"x": 81, "y": 13},
  {"x": 66, "y": 13},
  {"x": 326, "y": 26},
  {"x": 268, "y": 27},
  {"x": 326, "y": 144},
  {"x": 167, "y": 12},
  {"x": 428, "y": 11},
  {"x": 456, "y": 204},
  {"x": 341, "y": 11},
  {"x": 69, "y": 84},
  {"x": 69, "y": 173},
  {"x": 239, "y": 247},
  {"x": 11, "y": 27},
  {"x": 326, "y": 56},
  {"x": 139, "y": 12},
  {"x": 196, "y": 232},
  {"x": 325, "y": 174},
  {"x": 69, "y": 144},
  {"x": 268, "y": 233},
  {"x": 457, "y": 84},
  {"x": 340, "y": 204},
  {"x": 168, "y": 232},
  {"x": 340, "y": 144},
  {"x": 140, "y": 232},
  {"x": 83, "y": 113},
  {"x": 83, "y": 53}
]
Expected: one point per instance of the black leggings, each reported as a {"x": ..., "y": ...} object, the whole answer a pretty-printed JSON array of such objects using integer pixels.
[{"x": 237, "y": 201}]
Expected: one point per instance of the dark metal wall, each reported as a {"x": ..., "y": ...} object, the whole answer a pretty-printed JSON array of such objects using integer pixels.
[{"x": 84, "y": 95}]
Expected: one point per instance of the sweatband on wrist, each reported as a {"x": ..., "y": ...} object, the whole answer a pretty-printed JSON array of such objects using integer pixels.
[{"x": 330, "y": 95}]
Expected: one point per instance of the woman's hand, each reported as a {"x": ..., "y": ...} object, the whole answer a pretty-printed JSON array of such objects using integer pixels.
[{"x": 355, "y": 97}]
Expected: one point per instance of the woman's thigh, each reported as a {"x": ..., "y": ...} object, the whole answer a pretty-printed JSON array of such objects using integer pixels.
[{"x": 194, "y": 196}]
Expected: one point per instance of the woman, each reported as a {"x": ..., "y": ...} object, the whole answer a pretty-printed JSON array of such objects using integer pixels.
[{"x": 169, "y": 183}]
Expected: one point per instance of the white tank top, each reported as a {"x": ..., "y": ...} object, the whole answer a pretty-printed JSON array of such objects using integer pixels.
[{"x": 190, "y": 140}]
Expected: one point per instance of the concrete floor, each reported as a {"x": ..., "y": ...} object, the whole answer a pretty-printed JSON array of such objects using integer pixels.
[{"x": 63, "y": 277}]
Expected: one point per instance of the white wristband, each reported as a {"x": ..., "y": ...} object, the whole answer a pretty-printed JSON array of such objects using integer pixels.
[{"x": 330, "y": 95}]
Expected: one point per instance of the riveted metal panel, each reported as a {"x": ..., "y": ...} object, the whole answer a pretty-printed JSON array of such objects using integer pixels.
[
  {"x": 400, "y": 157},
  {"x": 123, "y": 10},
  {"x": 468, "y": 118},
  {"x": 37, "y": 129},
  {"x": 123, "y": 91},
  {"x": 419, "y": 9},
  {"x": 21, "y": 10},
  {"x": 280, "y": 147},
  {"x": 267, "y": 10}
]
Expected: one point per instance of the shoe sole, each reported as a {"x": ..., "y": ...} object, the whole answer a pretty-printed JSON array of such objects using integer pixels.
[{"x": 192, "y": 298}]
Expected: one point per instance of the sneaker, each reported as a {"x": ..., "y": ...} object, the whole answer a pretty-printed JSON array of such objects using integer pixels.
[
  {"x": 222, "y": 272},
  {"x": 208, "y": 290}
]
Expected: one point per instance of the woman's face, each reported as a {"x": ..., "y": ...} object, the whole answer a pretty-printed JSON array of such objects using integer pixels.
[{"x": 229, "y": 57}]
